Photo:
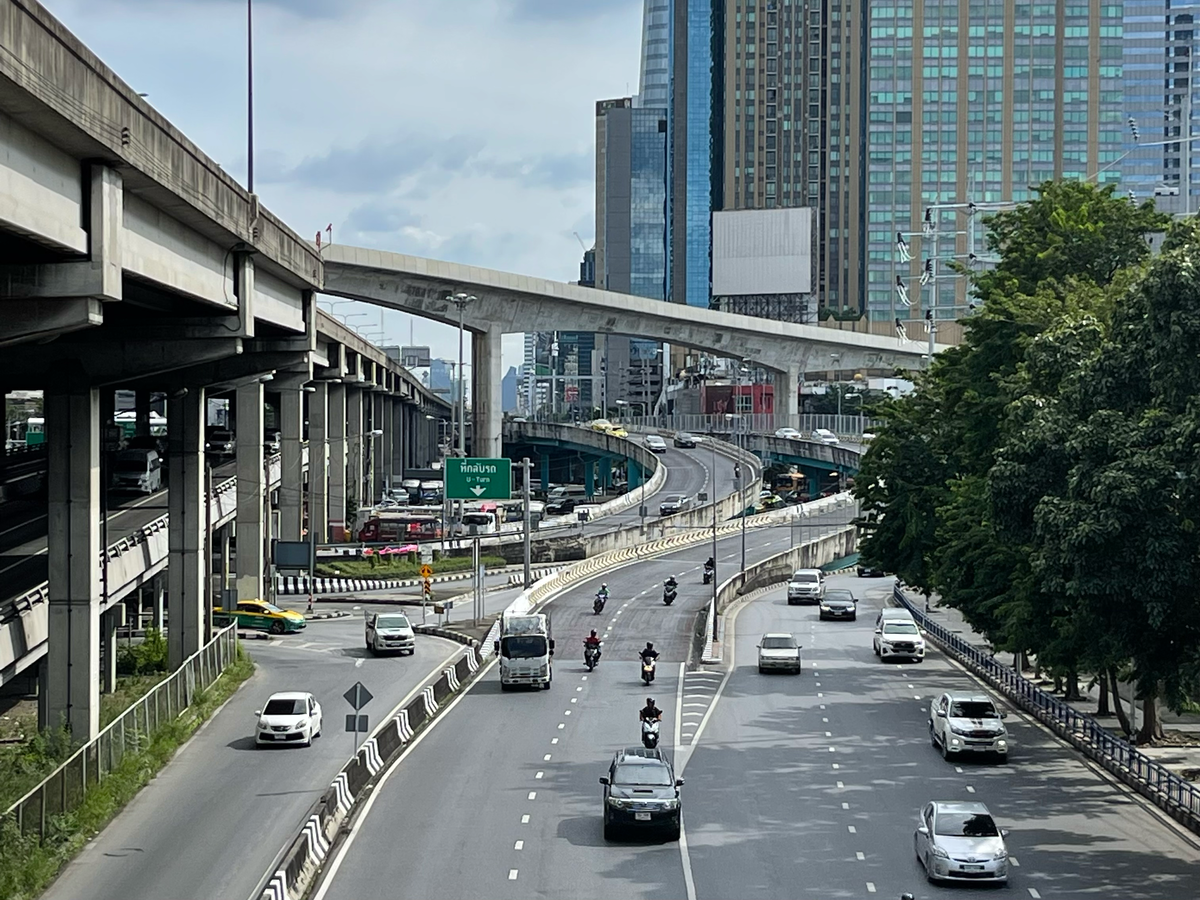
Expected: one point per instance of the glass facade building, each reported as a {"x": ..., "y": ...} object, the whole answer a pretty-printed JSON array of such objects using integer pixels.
[
  {"x": 1159, "y": 58},
  {"x": 654, "y": 85}
]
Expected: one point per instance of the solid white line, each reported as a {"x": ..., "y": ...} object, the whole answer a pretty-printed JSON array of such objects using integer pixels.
[
  {"x": 689, "y": 882},
  {"x": 679, "y": 708},
  {"x": 331, "y": 873}
]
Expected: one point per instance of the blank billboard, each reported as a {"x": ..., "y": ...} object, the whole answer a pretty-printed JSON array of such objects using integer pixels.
[{"x": 762, "y": 251}]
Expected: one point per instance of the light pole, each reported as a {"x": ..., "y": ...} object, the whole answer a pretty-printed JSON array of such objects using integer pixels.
[
  {"x": 250, "y": 96},
  {"x": 460, "y": 301}
]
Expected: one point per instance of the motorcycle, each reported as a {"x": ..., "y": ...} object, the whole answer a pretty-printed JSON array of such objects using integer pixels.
[
  {"x": 591, "y": 656},
  {"x": 668, "y": 594},
  {"x": 647, "y": 670},
  {"x": 708, "y": 574},
  {"x": 649, "y": 734},
  {"x": 598, "y": 604}
]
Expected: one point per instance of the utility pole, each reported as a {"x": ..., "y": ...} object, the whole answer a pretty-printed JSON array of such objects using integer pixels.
[{"x": 526, "y": 468}]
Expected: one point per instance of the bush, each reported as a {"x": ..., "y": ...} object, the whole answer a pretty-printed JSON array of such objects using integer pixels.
[{"x": 146, "y": 658}]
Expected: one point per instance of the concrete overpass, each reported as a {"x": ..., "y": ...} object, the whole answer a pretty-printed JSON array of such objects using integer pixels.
[{"x": 509, "y": 303}]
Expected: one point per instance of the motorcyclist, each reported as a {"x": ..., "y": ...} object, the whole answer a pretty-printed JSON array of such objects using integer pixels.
[
  {"x": 671, "y": 582},
  {"x": 603, "y": 592},
  {"x": 711, "y": 563},
  {"x": 592, "y": 642},
  {"x": 650, "y": 712},
  {"x": 648, "y": 653}
]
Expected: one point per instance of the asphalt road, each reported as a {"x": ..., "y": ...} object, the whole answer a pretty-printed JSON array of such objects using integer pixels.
[
  {"x": 521, "y": 804},
  {"x": 770, "y": 810},
  {"x": 809, "y": 786},
  {"x": 211, "y": 824}
]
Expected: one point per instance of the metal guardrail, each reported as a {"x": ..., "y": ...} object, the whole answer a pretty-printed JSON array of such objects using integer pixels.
[
  {"x": 1170, "y": 792},
  {"x": 845, "y": 426},
  {"x": 64, "y": 789}
]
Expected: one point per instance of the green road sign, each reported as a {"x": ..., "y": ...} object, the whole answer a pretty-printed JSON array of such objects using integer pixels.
[{"x": 478, "y": 479}]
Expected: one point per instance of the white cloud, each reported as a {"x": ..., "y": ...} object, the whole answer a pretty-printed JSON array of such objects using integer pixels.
[{"x": 460, "y": 130}]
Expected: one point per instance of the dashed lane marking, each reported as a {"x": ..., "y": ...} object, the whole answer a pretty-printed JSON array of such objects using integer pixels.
[
  {"x": 512, "y": 874},
  {"x": 553, "y": 740},
  {"x": 860, "y": 855},
  {"x": 845, "y": 806},
  {"x": 1012, "y": 861},
  {"x": 519, "y": 845},
  {"x": 852, "y": 829},
  {"x": 538, "y": 776},
  {"x": 870, "y": 887},
  {"x": 1033, "y": 892},
  {"x": 525, "y": 819},
  {"x": 836, "y": 766},
  {"x": 532, "y": 795},
  {"x": 546, "y": 758},
  {"x": 839, "y": 784},
  {"x": 562, "y": 725},
  {"x": 970, "y": 790}
]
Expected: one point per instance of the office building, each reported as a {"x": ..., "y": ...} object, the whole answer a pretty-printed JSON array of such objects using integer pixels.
[{"x": 1159, "y": 52}]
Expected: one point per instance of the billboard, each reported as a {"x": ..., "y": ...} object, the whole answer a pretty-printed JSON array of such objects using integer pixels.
[{"x": 762, "y": 251}]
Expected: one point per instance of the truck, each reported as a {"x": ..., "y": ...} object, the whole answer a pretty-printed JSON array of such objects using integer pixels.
[
  {"x": 525, "y": 651},
  {"x": 389, "y": 630}
]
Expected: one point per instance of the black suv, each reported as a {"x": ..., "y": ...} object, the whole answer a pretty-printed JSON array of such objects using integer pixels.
[{"x": 641, "y": 792}]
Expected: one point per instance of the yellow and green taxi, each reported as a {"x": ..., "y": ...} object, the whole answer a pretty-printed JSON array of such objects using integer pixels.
[
  {"x": 265, "y": 616},
  {"x": 617, "y": 431}
]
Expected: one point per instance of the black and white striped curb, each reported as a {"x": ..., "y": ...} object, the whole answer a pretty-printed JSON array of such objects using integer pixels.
[
  {"x": 517, "y": 579},
  {"x": 310, "y": 848},
  {"x": 297, "y": 585},
  {"x": 334, "y": 614}
]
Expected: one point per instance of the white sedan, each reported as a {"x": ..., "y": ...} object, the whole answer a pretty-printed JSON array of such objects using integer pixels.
[
  {"x": 779, "y": 651},
  {"x": 958, "y": 841},
  {"x": 790, "y": 433},
  {"x": 825, "y": 436},
  {"x": 290, "y": 717},
  {"x": 655, "y": 444}
]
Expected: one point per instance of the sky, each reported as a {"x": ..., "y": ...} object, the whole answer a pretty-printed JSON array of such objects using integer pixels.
[{"x": 461, "y": 130}]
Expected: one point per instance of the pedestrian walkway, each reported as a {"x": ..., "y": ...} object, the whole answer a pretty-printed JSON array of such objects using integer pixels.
[{"x": 1179, "y": 750}]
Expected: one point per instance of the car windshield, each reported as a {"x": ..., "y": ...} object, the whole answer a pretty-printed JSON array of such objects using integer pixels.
[
  {"x": 647, "y": 773},
  {"x": 131, "y": 466},
  {"x": 973, "y": 709},
  {"x": 839, "y": 597},
  {"x": 391, "y": 622},
  {"x": 899, "y": 628},
  {"x": 279, "y": 706},
  {"x": 807, "y": 577},
  {"x": 673, "y": 500},
  {"x": 684, "y": 436},
  {"x": 963, "y": 824},
  {"x": 778, "y": 643},
  {"x": 529, "y": 646},
  {"x": 271, "y": 607}
]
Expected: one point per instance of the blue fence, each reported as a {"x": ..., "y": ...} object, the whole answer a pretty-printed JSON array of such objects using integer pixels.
[{"x": 1175, "y": 795}]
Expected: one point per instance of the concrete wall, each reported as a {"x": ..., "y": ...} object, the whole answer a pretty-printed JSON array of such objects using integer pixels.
[
  {"x": 278, "y": 302},
  {"x": 778, "y": 568},
  {"x": 164, "y": 250},
  {"x": 41, "y": 189}
]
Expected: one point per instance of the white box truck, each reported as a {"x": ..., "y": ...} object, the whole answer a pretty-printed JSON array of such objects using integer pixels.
[{"x": 525, "y": 651}]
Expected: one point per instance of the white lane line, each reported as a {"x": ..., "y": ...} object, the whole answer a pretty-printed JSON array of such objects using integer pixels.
[
  {"x": 512, "y": 874},
  {"x": 836, "y": 766},
  {"x": 532, "y": 795},
  {"x": 1012, "y": 861},
  {"x": 833, "y": 749},
  {"x": 818, "y": 685},
  {"x": 562, "y": 725},
  {"x": 566, "y": 712},
  {"x": 845, "y": 806},
  {"x": 852, "y": 829},
  {"x": 546, "y": 758},
  {"x": 970, "y": 790},
  {"x": 580, "y": 688},
  {"x": 860, "y": 855},
  {"x": 553, "y": 740},
  {"x": 539, "y": 776},
  {"x": 916, "y": 696},
  {"x": 829, "y": 734},
  {"x": 958, "y": 769},
  {"x": 819, "y": 694},
  {"x": 839, "y": 784},
  {"x": 519, "y": 845},
  {"x": 870, "y": 887},
  {"x": 689, "y": 882},
  {"x": 574, "y": 699},
  {"x": 825, "y": 720},
  {"x": 701, "y": 705},
  {"x": 584, "y": 678},
  {"x": 525, "y": 819},
  {"x": 822, "y": 706},
  {"x": 1034, "y": 893}
]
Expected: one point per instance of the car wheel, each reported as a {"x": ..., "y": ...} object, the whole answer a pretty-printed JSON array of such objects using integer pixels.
[
  {"x": 876, "y": 649},
  {"x": 674, "y": 833},
  {"x": 929, "y": 876},
  {"x": 854, "y": 618},
  {"x": 945, "y": 752},
  {"x": 762, "y": 671},
  {"x": 932, "y": 737},
  {"x": 610, "y": 832},
  {"x": 1002, "y": 758},
  {"x": 505, "y": 687},
  {"x": 308, "y": 740},
  {"x": 276, "y": 628}
]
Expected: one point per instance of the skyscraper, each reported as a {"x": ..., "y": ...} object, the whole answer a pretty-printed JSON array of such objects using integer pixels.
[{"x": 1160, "y": 46}]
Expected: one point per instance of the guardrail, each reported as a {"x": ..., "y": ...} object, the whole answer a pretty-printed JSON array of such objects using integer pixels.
[
  {"x": 302, "y": 859},
  {"x": 847, "y": 426},
  {"x": 64, "y": 789},
  {"x": 1175, "y": 795}
]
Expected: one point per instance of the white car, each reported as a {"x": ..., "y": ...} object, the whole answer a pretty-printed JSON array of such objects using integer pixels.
[
  {"x": 790, "y": 433},
  {"x": 825, "y": 436},
  {"x": 899, "y": 639},
  {"x": 961, "y": 723},
  {"x": 386, "y": 631},
  {"x": 655, "y": 444},
  {"x": 290, "y": 717},
  {"x": 960, "y": 842},
  {"x": 779, "y": 651}
]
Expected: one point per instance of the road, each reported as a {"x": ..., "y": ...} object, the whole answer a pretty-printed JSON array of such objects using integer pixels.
[
  {"x": 211, "y": 824},
  {"x": 770, "y": 810},
  {"x": 536, "y": 783}
]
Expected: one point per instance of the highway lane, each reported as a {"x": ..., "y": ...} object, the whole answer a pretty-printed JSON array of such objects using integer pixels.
[
  {"x": 772, "y": 811},
  {"x": 521, "y": 804},
  {"x": 211, "y": 824}
]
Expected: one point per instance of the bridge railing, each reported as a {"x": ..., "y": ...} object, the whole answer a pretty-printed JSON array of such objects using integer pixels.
[
  {"x": 846, "y": 426},
  {"x": 65, "y": 788},
  {"x": 1174, "y": 794}
]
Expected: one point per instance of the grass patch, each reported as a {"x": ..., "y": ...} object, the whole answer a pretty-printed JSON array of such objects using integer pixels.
[
  {"x": 28, "y": 865},
  {"x": 362, "y": 568}
]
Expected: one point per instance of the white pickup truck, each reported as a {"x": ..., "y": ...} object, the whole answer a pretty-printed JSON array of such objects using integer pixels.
[{"x": 389, "y": 632}]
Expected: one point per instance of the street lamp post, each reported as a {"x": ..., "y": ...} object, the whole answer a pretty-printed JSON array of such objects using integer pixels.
[{"x": 460, "y": 301}]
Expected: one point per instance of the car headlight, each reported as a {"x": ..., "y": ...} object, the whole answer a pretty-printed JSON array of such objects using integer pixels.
[
  {"x": 618, "y": 803},
  {"x": 826, "y": 607},
  {"x": 670, "y": 804},
  {"x": 262, "y": 723},
  {"x": 1000, "y": 854},
  {"x": 957, "y": 730},
  {"x": 938, "y": 851}
]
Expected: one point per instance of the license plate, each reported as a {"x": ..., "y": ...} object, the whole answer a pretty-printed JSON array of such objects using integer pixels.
[
  {"x": 645, "y": 817},
  {"x": 969, "y": 868}
]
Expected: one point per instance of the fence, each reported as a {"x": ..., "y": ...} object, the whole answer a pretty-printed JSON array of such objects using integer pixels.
[
  {"x": 1175, "y": 795},
  {"x": 64, "y": 789},
  {"x": 847, "y": 426}
]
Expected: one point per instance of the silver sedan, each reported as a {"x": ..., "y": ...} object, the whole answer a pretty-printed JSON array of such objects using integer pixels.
[{"x": 960, "y": 842}]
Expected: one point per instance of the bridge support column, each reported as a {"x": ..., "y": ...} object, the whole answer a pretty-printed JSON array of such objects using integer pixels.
[
  {"x": 141, "y": 412},
  {"x": 336, "y": 422},
  {"x": 251, "y": 488},
  {"x": 354, "y": 450},
  {"x": 606, "y": 473},
  {"x": 487, "y": 399},
  {"x": 544, "y": 465},
  {"x": 158, "y": 596},
  {"x": 318, "y": 466},
  {"x": 379, "y": 451},
  {"x": 633, "y": 473},
  {"x": 787, "y": 398},
  {"x": 185, "y": 501},
  {"x": 393, "y": 440},
  {"x": 108, "y": 638},
  {"x": 291, "y": 475},
  {"x": 72, "y": 683},
  {"x": 589, "y": 477}
]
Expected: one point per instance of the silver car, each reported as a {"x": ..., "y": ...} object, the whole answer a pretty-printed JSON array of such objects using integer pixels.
[
  {"x": 806, "y": 586},
  {"x": 957, "y": 841},
  {"x": 779, "y": 651},
  {"x": 967, "y": 723}
]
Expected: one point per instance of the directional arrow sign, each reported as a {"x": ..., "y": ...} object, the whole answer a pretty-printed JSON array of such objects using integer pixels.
[
  {"x": 358, "y": 696},
  {"x": 478, "y": 479}
]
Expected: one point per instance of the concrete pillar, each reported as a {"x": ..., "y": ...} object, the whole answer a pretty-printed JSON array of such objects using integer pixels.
[
  {"x": 158, "y": 596},
  {"x": 336, "y": 422},
  {"x": 250, "y": 488},
  {"x": 390, "y": 441},
  {"x": 318, "y": 468},
  {"x": 380, "y": 454},
  {"x": 634, "y": 474},
  {"x": 487, "y": 400},
  {"x": 787, "y": 398},
  {"x": 72, "y": 673},
  {"x": 185, "y": 563},
  {"x": 291, "y": 481},
  {"x": 108, "y": 638},
  {"x": 606, "y": 473},
  {"x": 544, "y": 464},
  {"x": 354, "y": 452},
  {"x": 141, "y": 412},
  {"x": 226, "y": 559},
  {"x": 589, "y": 477}
]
